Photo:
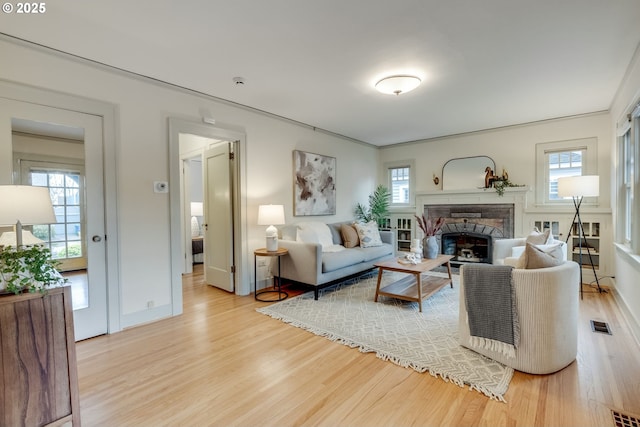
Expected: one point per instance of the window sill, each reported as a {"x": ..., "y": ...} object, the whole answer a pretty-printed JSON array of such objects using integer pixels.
[{"x": 625, "y": 252}]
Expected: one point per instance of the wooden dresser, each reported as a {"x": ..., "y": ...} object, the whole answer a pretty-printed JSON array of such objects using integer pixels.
[{"x": 38, "y": 370}]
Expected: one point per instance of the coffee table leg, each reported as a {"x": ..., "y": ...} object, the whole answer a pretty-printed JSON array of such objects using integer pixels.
[
  {"x": 378, "y": 284},
  {"x": 449, "y": 271},
  {"x": 419, "y": 285}
]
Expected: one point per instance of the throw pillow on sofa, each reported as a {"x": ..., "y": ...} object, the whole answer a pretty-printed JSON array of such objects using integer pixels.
[
  {"x": 368, "y": 234},
  {"x": 349, "y": 236}
]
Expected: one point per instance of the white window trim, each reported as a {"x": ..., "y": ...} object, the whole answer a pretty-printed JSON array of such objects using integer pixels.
[
  {"x": 412, "y": 180},
  {"x": 589, "y": 167}
]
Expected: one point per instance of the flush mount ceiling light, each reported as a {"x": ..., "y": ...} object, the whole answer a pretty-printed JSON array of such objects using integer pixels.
[{"x": 395, "y": 85}]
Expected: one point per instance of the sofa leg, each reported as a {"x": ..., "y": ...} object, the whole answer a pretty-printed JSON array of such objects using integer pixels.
[{"x": 315, "y": 294}]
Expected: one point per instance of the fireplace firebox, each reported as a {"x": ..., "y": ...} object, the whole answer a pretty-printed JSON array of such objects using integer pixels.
[
  {"x": 467, "y": 247},
  {"x": 470, "y": 229}
]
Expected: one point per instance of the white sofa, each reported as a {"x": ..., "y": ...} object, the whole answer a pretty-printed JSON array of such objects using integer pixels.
[{"x": 308, "y": 264}]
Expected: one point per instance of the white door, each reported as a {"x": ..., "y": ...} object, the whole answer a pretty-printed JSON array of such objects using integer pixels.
[
  {"x": 218, "y": 217},
  {"x": 90, "y": 291}
]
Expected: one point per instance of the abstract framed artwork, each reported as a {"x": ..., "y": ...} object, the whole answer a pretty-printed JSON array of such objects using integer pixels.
[{"x": 314, "y": 184}]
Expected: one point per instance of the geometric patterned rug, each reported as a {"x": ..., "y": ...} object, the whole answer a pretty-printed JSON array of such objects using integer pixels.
[{"x": 396, "y": 331}]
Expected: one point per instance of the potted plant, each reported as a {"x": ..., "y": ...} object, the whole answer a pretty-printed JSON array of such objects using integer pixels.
[
  {"x": 430, "y": 229},
  {"x": 28, "y": 268},
  {"x": 378, "y": 208}
]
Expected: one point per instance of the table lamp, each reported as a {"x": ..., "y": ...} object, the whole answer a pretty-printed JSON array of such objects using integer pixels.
[
  {"x": 196, "y": 211},
  {"x": 25, "y": 204},
  {"x": 271, "y": 215}
]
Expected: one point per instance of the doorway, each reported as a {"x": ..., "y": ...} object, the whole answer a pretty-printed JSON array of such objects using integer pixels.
[
  {"x": 209, "y": 136},
  {"x": 208, "y": 198}
]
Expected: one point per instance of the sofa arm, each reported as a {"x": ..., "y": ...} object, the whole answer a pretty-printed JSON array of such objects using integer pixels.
[
  {"x": 303, "y": 263},
  {"x": 388, "y": 237}
]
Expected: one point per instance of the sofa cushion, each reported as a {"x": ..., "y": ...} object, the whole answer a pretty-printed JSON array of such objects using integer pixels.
[
  {"x": 541, "y": 257},
  {"x": 349, "y": 236},
  {"x": 374, "y": 252},
  {"x": 368, "y": 234},
  {"x": 335, "y": 260},
  {"x": 315, "y": 232}
]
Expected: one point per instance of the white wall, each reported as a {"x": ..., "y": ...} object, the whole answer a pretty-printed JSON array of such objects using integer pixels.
[
  {"x": 142, "y": 150},
  {"x": 627, "y": 263}
]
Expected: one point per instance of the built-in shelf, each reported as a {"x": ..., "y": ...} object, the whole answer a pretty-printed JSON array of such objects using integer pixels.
[{"x": 403, "y": 227}]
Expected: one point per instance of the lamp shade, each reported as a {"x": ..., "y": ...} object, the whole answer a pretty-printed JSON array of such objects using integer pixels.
[
  {"x": 197, "y": 209},
  {"x": 579, "y": 186},
  {"x": 25, "y": 204},
  {"x": 270, "y": 214}
]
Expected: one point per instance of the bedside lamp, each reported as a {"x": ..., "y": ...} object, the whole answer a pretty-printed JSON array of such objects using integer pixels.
[
  {"x": 271, "y": 215},
  {"x": 196, "y": 210},
  {"x": 24, "y": 204}
]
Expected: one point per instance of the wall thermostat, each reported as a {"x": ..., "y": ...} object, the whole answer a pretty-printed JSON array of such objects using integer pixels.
[{"x": 160, "y": 187}]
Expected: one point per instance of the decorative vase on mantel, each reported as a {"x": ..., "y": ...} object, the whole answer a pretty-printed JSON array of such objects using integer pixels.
[{"x": 431, "y": 247}]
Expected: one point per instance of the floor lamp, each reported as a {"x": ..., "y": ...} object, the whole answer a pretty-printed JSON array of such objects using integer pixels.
[
  {"x": 24, "y": 204},
  {"x": 578, "y": 187}
]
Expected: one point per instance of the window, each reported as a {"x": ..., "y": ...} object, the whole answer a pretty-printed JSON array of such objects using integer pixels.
[
  {"x": 399, "y": 185},
  {"x": 64, "y": 238},
  {"x": 561, "y": 164},
  {"x": 400, "y": 182},
  {"x": 563, "y": 158},
  {"x": 627, "y": 184},
  {"x": 628, "y": 151},
  {"x": 65, "y": 180}
]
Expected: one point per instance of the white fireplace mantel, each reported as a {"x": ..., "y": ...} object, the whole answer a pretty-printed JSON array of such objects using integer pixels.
[{"x": 512, "y": 195}]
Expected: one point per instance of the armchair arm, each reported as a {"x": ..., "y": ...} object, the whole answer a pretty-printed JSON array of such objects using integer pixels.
[{"x": 502, "y": 248}]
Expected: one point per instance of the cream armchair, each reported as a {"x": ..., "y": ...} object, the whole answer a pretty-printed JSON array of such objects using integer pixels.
[{"x": 547, "y": 307}]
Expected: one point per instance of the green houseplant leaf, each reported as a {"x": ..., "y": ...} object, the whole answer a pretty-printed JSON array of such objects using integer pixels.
[
  {"x": 28, "y": 268},
  {"x": 378, "y": 206}
]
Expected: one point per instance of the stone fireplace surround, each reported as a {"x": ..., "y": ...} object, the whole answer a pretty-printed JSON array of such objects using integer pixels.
[
  {"x": 469, "y": 229},
  {"x": 474, "y": 219}
]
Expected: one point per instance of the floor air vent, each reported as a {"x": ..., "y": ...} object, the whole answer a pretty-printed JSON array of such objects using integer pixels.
[
  {"x": 622, "y": 420},
  {"x": 601, "y": 327}
]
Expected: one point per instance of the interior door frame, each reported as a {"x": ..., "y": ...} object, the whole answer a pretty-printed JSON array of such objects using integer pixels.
[
  {"x": 176, "y": 127},
  {"x": 107, "y": 112}
]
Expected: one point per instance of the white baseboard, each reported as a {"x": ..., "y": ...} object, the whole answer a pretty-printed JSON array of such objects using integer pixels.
[{"x": 634, "y": 326}]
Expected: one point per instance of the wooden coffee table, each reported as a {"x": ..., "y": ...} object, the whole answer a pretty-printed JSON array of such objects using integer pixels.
[{"x": 413, "y": 287}]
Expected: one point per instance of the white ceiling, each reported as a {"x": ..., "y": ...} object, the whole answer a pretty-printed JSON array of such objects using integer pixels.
[{"x": 484, "y": 63}]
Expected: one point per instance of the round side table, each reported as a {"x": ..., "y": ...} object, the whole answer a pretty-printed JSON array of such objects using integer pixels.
[{"x": 277, "y": 288}]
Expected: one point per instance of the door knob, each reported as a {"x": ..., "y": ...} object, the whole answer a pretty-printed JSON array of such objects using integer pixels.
[{"x": 96, "y": 238}]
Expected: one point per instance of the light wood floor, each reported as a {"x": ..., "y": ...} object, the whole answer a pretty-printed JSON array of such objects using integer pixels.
[{"x": 223, "y": 364}]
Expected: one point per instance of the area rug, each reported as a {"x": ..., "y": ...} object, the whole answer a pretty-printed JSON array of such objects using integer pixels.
[{"x": 396, "y": 331}]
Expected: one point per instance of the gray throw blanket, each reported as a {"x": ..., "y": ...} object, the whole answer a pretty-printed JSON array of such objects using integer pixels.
[{"x": 490, "y": 304}]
